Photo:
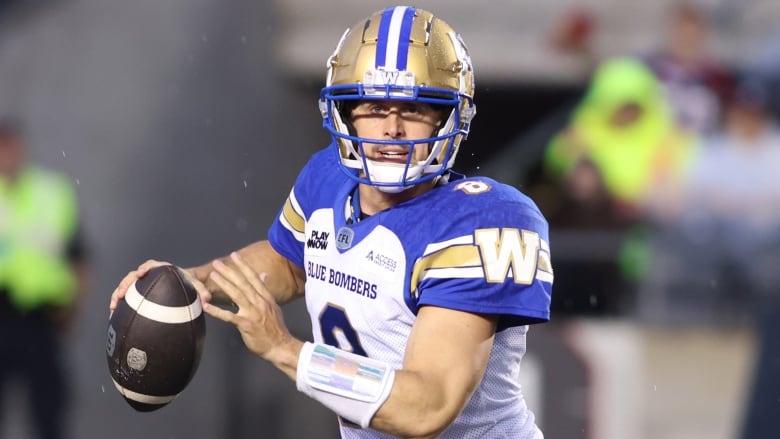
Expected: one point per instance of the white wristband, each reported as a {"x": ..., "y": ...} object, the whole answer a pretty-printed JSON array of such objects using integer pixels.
[{"x": 351, "y": 385}]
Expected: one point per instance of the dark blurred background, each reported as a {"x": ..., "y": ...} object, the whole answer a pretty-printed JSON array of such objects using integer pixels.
[{"x": 183, "y": 124}]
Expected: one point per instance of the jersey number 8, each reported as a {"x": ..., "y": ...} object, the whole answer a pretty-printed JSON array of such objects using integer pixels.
[{"x": 338, "y": 331}]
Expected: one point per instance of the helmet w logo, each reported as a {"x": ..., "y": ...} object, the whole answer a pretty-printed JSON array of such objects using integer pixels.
[
  {"x": 381, "y": 78},
  {"x": 388, "y": 76}
]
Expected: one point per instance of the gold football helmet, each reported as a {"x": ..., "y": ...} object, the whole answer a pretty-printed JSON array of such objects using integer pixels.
[{"x": 406, "y": 54}]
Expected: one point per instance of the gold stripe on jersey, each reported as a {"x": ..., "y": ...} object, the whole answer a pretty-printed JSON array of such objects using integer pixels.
[
  {"x": 292, "y": 217},
  {"x": 463, "y": 258},
  {"x": 457, "y": 259}
]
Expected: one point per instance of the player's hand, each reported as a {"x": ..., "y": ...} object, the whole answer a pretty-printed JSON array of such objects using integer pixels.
[
  {"x": 259, "y": 318},
  {"x": 121, "y": 290}
]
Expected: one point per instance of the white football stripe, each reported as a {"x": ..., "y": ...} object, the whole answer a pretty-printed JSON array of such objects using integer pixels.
[
  {"x": 140, "y": 397},
  {"x": 162, "y": 313}
]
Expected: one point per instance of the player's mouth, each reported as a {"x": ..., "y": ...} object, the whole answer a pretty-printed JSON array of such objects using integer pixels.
[{"x": 392, "y": 155}]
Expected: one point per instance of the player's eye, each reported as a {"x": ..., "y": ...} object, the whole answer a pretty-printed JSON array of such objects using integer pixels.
[
  {"x": 410, "y": 109},
  {"x": 370, "y": 109},
  {"x": 418, "y": 111},
  {"x": 378, "y": 109}
]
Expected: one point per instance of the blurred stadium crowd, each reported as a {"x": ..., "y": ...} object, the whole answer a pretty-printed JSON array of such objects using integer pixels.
[
  {"x": 673, "y": 152},
  {"x": 661, "y": 186},
  {"x": 657, "y": 168}
]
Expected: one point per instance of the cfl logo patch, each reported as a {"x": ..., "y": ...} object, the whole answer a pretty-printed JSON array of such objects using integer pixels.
[{"x": 344, "y": 238}]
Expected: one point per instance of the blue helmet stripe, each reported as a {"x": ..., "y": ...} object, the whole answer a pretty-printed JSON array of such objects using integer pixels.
[
  {"x": 395, "y": 30},
  {"x": 405, "y": 38},
  {"x": 381, "y": 44}
]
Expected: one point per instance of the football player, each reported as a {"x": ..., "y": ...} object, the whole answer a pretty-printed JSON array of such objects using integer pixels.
[{"x": 421, "y": 283}]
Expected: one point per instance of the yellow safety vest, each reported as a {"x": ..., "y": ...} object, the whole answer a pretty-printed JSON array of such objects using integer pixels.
[{"x": 38, "y": 215}]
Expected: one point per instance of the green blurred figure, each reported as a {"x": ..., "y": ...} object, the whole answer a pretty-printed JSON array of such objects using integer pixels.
[
  {"x": 42, "y": 280},
  {"x": 616, "y": 166},
  {"x": 625, "y": 129}
]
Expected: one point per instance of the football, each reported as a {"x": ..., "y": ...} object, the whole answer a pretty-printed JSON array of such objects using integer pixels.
[{"x": 155, "y": 339}]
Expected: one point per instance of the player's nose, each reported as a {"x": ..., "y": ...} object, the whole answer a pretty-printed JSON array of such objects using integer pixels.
[{"x": 393, "y": 125}]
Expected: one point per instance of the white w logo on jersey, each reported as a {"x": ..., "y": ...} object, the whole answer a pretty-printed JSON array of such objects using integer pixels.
[{"x": 508, "y": 248}]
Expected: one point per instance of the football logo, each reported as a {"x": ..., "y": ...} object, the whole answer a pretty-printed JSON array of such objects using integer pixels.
[{"x": 136, "y": 359}]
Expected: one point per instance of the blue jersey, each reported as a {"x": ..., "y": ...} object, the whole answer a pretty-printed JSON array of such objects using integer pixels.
[{"x": 472, "y": 244}]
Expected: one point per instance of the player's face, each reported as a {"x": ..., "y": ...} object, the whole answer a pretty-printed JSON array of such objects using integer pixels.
[{"x": 391, "y": 120}]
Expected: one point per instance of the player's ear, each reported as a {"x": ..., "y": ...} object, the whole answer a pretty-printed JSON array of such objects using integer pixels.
[{"x": 345, "y": 109}]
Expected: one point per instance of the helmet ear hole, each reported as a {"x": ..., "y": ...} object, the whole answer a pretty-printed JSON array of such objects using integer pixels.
[
  {"x": 445, "y": 111},
  {"x": 344, "y": 108}
]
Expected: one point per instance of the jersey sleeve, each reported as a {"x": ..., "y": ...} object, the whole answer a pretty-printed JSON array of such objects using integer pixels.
[
  {"x": 498, "y": 262},
  {"x": 287, "y": 232}
]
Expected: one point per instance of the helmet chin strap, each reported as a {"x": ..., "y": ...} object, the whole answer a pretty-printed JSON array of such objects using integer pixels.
[
  {"x": 392, "y": 189},
  {"x": 388, "y": 175},
  {"x": 391, "y": 177},
  {"x": 398, "y": 189}
]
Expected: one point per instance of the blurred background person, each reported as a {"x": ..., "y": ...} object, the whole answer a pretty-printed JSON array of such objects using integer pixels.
[
  {"x": 42, "y": 282},
  {"x": 759, "y": 417},
  {"x": 572, "y": 34},
  {"x": 621, "y": 153},
  {"x": 604, "y": 173},
  {"x": 719, "y": 240},
  {"x": 697, "y": 84},
  {"x": 718, "y": 251},
  {"x": 763, "y": 63},
  {"x": 733, "y": 191}
]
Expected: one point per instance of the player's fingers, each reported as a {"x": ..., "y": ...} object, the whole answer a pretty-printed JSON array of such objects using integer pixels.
[
  {"x": 148, "y": 265},
  {"x": 258, "y": 284},
  {"x": 203, "y": 292},
  {"x": 126, "y": 281},
  {"x": 219, "y": 313},
  {"x": 136, "y": 274},
  {"x": 220, "y": 277},
  {"x": 121, "y": 290},
  {"x": 238, "y": 278}
]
